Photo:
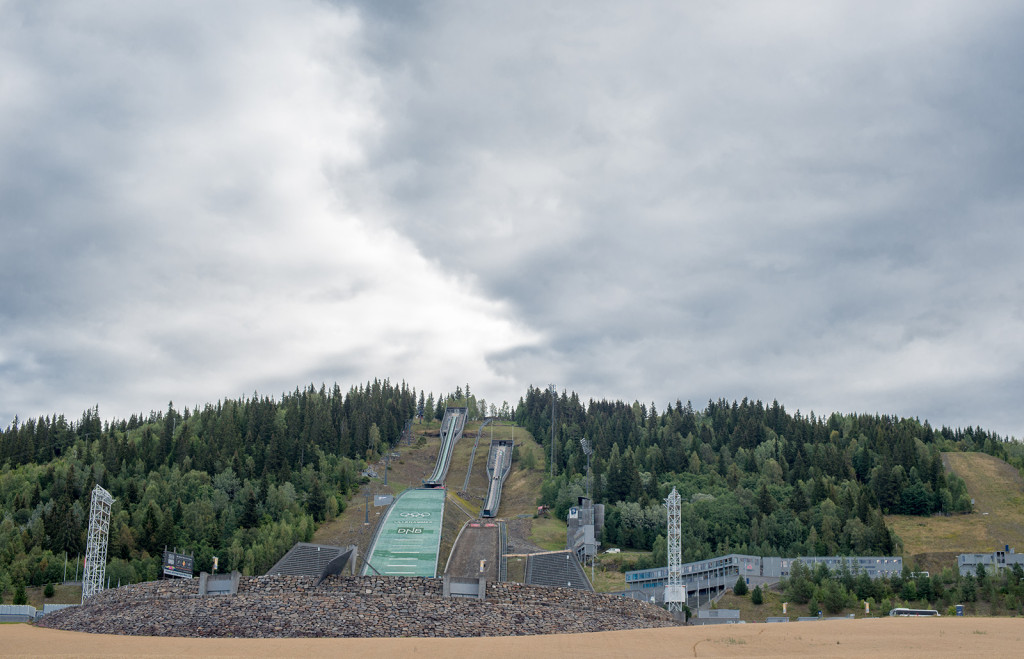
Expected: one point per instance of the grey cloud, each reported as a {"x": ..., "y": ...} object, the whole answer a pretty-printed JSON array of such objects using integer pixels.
[
  {"x": 718, "y": 200},
  {"x": 655, "y": 201}
]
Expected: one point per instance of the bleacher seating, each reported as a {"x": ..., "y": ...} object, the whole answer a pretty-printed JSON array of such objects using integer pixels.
[
  {"x": 560, "y": 569},
  {"x": 306, "y": 559}
]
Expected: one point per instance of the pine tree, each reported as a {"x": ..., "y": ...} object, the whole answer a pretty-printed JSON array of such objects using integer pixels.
[
  {"x": 797, "y": 501},
  {"x": 428, "y": 408},
  {"x": 765, "y": 501},
  {"x": 317, "y": 502}
]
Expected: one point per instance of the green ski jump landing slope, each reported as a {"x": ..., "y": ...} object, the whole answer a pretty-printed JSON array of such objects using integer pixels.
[{"x": 409, "y": 537}]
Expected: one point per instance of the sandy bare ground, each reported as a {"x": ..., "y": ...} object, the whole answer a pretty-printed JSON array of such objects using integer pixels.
[{"x": 942, "y": 637}]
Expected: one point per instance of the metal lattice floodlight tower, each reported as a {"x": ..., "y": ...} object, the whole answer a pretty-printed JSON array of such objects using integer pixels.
[
  {"x": 96, "y": 548},
  {"x": 588, "y": 451},
  {"x": 675, "y": 595},
  {"x": 552, "y": 387}
]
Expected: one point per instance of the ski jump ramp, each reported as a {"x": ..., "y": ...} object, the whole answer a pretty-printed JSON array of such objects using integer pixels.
[
  {"x": 499, "y": 463},
  {"x": 408, "y": 538},
  {"x": 452, "y": 424},
  {"x": 407, "y": 541}
]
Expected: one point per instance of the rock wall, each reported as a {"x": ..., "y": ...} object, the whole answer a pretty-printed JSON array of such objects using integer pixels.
[{"x": 289, "y": 606}]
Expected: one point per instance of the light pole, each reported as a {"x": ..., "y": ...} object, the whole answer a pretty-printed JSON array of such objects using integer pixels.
[
  {"x": 552, "y": 430},
  {"x": 588, "y": 450}
]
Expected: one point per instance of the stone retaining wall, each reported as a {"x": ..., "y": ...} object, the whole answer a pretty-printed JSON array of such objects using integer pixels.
[{"x": 289, "y": 606}]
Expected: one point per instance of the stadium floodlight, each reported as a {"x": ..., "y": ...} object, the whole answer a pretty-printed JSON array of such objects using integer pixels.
[
  {"x": 553, "y": 397},
  {"x": 675, "y": 594},
  {"x": 96, "y": 546},
  {"x": 588, "y": 451}
]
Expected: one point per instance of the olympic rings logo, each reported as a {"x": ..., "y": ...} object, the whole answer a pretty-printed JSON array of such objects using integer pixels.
[{"x": 416, "y": 515}]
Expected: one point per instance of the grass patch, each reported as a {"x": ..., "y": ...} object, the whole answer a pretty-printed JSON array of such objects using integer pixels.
[
  {"x": 997, "y": 489},
  {"x": 516, "y": 569},
  {"x": 772, "y": 606},
  {"x": 750, "y": 612},
  {"x": 61, "y": 595},
  {"x": 610, "y": 574},
  {"x": 623, "y": 561},
  {"x": 548, "y": 533},
  {"x": 522, "y": 487},
  {"x": 607, "y": 580},
  {"x": 733, "y": 641},
  {"x": 470, "y": 506}
]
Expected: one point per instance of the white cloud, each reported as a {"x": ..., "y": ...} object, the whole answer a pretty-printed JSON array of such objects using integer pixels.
[{"x": 179, "y": 236}]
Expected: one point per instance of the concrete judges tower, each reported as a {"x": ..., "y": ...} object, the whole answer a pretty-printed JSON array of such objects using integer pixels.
[{"x": 96, "y": 547}]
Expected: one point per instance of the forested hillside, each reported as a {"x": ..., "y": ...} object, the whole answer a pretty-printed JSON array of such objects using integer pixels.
[
  {"x": 242, "y": 479},
  {"x": 245, "y": 479},
  {"x": 753, "y": 478}
]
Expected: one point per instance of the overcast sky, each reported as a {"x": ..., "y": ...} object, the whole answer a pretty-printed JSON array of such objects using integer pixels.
[{"x": 820, "y": 203}]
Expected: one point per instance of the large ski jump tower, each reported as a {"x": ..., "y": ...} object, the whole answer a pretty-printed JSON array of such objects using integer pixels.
[
  {"x": 96, "y": 548},
  {"x": 675, "y": 595}
]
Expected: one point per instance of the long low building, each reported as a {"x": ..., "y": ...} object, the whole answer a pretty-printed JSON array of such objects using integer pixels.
[
  {"x": 993, "y": 561},
  {"x": 705, "y": 579},
  {"x": 876, "y": 566}
]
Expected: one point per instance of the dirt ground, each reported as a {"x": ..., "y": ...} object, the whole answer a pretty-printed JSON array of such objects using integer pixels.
[
  {"x": 519, "y": 536},
  {"x": 939, "y": 637},
  {"x": 476, "y": 544}
]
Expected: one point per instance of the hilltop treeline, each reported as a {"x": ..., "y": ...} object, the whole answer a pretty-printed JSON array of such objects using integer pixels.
[
  {"x": 242, "y": 480},
  {"x": 753, "y": 477}
]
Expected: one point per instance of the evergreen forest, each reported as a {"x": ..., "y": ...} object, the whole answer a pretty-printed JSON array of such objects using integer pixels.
[
  {"x": 753, "y": 478},
  {"x": 245, "y": 479},
  {"x": 242, "y": 480}
]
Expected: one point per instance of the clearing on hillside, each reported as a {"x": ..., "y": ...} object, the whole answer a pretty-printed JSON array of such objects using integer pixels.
[
  {"x": 414, "y": 463},
  {"x": 997, "y": 489}
]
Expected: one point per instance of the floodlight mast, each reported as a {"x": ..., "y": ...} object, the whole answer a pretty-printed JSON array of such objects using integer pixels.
[
  {"x": 675, "y": 595},
  {"x": 588, "y": 450},
  {"x": 96, "y": 547},
  {"x": 552, "y": 387}
]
